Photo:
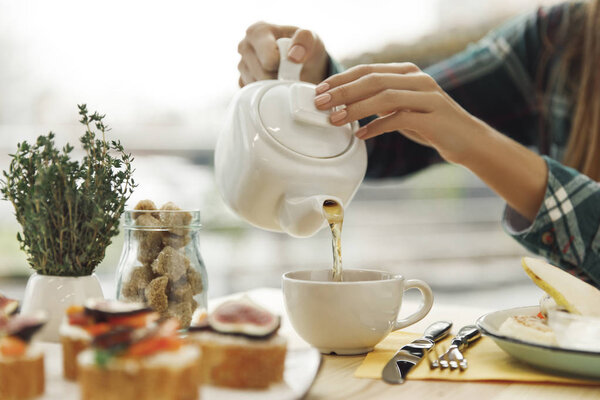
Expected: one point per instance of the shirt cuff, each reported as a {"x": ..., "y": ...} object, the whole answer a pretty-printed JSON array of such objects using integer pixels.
[
  {"x": 532, "y": 233},
  {"x": 514, "y": 223},
  {"x": 565, "y": 228},
  {"x": 521, "y": 228}
]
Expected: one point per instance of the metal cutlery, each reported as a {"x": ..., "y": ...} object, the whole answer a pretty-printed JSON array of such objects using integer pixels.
[
  {"x": 411, "y": 354},
  {"x": 453, "y": 357}
]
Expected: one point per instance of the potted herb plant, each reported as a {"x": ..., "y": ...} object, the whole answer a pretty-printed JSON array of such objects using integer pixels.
[{"x": 69, "y": 211}]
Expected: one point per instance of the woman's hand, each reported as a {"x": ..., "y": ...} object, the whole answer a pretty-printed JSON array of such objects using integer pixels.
[
  {"x": 410, "y": 101},
  {"x": 260, "y": 56},
  {"x": 405, "y": 99}
]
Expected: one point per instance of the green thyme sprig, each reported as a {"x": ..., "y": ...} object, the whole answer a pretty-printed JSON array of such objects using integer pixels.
[{"x": 69, "y": 210}]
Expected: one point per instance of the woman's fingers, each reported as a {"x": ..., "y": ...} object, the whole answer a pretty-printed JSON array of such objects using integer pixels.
[
  {"x": 385, "y": 102},
  {"x": 405, "y": 121},
  {"x": 260, "y": 53},
  {"x": 261, "y": 38},
  {"x": 361, "y": 70},
  {"x": 254, "y": 65},
  {"x": 245, "y": 75},
  {"x": 302, "y": 46},
  {"x": 371, "y": 84}
]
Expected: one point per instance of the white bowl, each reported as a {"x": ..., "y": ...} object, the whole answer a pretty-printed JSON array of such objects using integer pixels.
[{"x": 585, "y": 363}]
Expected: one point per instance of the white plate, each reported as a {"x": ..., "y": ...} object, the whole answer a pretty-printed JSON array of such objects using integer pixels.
[
  {"x": 574, "y": 362},
  {"x": 301, "y": 369}
]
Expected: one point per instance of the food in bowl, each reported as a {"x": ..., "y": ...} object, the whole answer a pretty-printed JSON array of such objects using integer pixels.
[
  {"x": 575, "y": 331},
  {"x": 529, "y": 328},
  {"x": 569, "y": 313}
]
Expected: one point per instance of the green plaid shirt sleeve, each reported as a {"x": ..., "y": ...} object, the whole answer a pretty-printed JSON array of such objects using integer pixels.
[
  {"x": 566, "y": 228},
  {"x": 493, "y": 79}
]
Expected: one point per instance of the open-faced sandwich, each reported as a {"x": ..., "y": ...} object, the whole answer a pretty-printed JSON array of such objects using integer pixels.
[
  {"x": 240, "y": 346},
  {"x": 132, "y": 359},
  {"x": 82, "y": 323},
  {"x": 21, "y": 360},
  {"x": 565, "y": 293}
]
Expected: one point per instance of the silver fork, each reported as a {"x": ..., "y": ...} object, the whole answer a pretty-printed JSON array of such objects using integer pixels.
[{"x": 453, "y": 357}]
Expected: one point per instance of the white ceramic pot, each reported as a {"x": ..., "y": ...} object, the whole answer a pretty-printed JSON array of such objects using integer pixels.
[
  {"x": 53, "y": 294},
  {"x": 278, "y": 158}
]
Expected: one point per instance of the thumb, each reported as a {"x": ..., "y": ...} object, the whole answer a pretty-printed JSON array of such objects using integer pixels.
[{"x": 303, "y": 43}]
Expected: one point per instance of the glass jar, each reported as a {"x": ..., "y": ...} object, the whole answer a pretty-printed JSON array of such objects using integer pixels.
[{"x": 161, "y": 264}]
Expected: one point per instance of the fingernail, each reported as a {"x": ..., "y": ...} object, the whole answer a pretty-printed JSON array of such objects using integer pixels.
[
  {"x": 322, "y": 99},
  {"x": 361, "y": 132},
  {"x": 338, "y": 115},
  {"x": 296, "y": 53},
  {"x": 322, "y": 87}
]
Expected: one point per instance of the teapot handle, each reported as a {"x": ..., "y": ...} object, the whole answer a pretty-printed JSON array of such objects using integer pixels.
[{"x": 288, "y": 70}]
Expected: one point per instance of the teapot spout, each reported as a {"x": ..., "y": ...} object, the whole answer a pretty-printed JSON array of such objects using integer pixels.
[{"x": 303, "y": 216}]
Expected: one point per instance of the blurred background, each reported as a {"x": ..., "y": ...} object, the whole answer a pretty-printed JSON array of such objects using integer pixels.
[{"x": 164, "y": 72}]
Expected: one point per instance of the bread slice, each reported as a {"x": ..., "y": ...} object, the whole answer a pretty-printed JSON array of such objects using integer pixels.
[
  {"x": 22, "y": 377},
  {"x": 239, "y": 362},
  {"x": 528, "y": 328},
  {"x": 163, "y": 376},
  {"x": 71, "y": 347}
]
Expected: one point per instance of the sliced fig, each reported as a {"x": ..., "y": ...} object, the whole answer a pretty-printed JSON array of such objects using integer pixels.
[
  {"x": 25, "y": 326},
  {"x": 101, "y": 310},
  {"x": 243, "y": 317},
  {"x": 8, "y": 306}
]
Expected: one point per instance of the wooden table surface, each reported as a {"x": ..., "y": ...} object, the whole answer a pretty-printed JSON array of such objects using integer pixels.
[{"x": 336, "y": 379}]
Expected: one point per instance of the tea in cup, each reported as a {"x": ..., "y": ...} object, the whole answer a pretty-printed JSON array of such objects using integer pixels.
[{"x": 351, "y": 316}]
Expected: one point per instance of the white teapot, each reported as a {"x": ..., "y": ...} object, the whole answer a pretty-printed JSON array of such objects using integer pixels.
[{"x": 278, "y": 158}]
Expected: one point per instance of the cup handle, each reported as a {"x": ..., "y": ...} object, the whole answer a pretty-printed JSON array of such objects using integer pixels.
[{"x": 425, "y": 307}]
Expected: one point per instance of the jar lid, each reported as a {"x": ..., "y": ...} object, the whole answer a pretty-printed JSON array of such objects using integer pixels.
[{"x": 288, "y": 114}]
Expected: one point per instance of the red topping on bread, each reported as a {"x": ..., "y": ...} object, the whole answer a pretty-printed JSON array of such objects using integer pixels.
[
  {"x": 154, "y": 344},
  {"x": 136, "y": 341},
  {"x": 540, "y": 315},
  {"x": 11, "y": 346}
]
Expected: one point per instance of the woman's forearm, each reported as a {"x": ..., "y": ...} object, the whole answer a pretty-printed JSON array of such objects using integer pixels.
[
  {"x": 412, "y": 103},
  {"x": 515, "y": 173}
]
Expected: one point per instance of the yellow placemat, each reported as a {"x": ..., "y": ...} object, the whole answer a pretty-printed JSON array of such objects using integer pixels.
[{"x": 487, "y": 362}]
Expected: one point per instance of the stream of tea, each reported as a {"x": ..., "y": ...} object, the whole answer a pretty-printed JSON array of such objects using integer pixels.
[{"x": 334, "y": 213}]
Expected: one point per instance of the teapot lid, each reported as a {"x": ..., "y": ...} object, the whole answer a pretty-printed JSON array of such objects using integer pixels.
[{"x": 288, "y": 113}]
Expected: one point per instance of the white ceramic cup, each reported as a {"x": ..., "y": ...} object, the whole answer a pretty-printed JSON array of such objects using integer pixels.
[{"x": 352, "y": 316}]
